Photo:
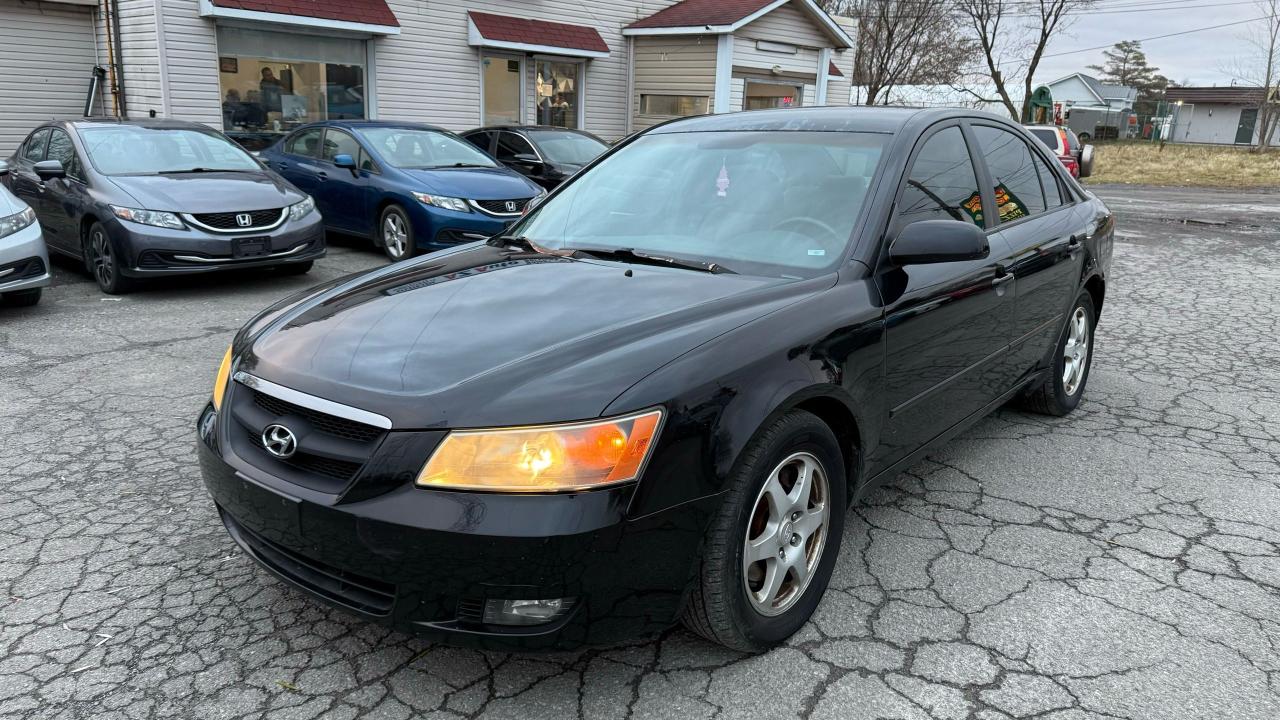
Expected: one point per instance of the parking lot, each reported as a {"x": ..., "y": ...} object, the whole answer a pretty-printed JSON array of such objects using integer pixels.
[{"x": 1121, "y": 562}]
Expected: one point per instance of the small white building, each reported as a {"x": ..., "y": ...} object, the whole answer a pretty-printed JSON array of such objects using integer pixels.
[
  {"x": 1217, "y": 115},
  {"x": 257, "y": 68},
  {"x": 1078, "y": 89}
]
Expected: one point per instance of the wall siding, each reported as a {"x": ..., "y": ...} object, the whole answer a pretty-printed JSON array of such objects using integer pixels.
[
  {"x": 46, "y": 55},
  {"x": 139, "y": 55},
  {"x": 673, "y": 65},
  {"x": 788, "y": 25},
  {"x": 191, "y": 51}
]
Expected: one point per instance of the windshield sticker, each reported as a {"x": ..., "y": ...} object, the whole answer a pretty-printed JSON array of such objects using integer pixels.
[
  {"x": 722, "y": 181},
  {"x": 817, "y": 252}
]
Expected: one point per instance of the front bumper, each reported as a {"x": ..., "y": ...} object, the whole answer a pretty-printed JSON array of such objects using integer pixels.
[
  {"x": 150, "y": 251},
  {"x": 427, "y": 561},
  {"x": 438, "y": 229},
  {"x": 24, "y": 262}
]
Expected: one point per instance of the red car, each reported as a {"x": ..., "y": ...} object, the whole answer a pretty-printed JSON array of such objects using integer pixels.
[{"x": 1076, "y": 157}]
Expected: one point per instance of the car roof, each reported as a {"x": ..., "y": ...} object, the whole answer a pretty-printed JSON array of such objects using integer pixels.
[
  {"x": 823, "y": 119},
  {"x": 525, "y": 128},
  {"x": 406, "y": 125},
  {"x": 153, "y": 123}
]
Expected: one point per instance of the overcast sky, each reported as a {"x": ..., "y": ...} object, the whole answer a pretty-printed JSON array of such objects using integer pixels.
[{"x": 1196, "y": 57}]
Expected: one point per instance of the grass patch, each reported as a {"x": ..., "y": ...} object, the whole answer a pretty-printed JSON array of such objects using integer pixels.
[{"x": 1143, "y": 163}]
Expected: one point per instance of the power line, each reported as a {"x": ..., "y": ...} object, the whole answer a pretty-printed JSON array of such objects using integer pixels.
[{"x": 1158, "y": 37}]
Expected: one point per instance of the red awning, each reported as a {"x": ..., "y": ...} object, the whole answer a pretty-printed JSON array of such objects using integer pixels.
[
  {"x": 365, "y": 12},
  {"x": 514, "y": 33}
]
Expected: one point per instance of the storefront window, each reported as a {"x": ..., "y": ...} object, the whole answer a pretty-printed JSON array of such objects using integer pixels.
[
  {"x": 762, "y": 96},
  {"x": 273, "y": 82},
  {"x": 503, "y": 90},
  {"x": 558, "y": 98}
]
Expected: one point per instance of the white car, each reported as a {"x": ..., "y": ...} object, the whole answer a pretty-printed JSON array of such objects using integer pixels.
[{"x": 24, "y": 261}]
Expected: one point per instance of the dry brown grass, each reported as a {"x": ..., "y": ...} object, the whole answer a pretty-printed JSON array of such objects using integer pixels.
[{"x": 1144, "y": 163}]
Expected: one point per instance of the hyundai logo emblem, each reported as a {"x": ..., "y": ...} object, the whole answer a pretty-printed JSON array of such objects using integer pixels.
[
  {"x": 511, "y": 206},
  {"x": 279, "y": 441},
  {"x": 244, "y": 219}
]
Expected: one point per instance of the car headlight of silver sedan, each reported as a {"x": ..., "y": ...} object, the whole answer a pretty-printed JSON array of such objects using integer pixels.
[
  {"x": 11, "y": 224},
  {"x": 442, "y": 201},
  {"x": 299, "y": 210},
  {"x": 155, "y": 218}
]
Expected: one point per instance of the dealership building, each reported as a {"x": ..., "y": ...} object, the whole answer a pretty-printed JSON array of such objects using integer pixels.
[{"x": 257, "y": 68}]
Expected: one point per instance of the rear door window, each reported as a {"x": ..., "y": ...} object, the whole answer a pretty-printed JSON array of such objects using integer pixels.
[
  {"x": 510, "y": 145},
  {"x": 1048, "y": 137},
  {"x": 1013, "y": 171},
  {"x": 942, "y": 183},
  {"x": 1049, "y": 181},
  {"x": 306, "y": 143},
  {"x": 480, "y": 140}
]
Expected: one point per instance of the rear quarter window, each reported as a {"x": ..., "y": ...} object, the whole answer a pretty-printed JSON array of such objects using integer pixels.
[{"x": 1048, "y": 137}]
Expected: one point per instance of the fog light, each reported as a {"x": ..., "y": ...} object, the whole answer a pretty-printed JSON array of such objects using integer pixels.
[
  {"x": 208, "y": 421},
  {"x": 525, "y": 612}
]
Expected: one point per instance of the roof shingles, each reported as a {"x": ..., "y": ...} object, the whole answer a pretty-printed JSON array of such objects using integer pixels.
[
  {"x": 369, "y": 12},
  {"x": 696, "y": 13},
  {"x": 502, "y": 28}
]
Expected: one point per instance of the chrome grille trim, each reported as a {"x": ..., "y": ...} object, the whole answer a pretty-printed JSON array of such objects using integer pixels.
[
  {"x": 312, "y": 402},
  {"x": 190, "y": 218}
]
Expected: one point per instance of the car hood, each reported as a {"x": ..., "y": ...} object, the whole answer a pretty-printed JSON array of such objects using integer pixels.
[
  {"x": 486, "y": 336},
  {"x": 475, "y": 183},
  {"x": 208, "y": 192},
  {"x": 9, "y": 204}
]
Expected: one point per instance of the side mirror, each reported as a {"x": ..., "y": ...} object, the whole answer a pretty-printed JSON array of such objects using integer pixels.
[
  {"x": 526, "y": 159},
  {"x": 49, "y": 169},
  {"x": 4, "y": 168},
  {"x": 344, "y": 161},
  {"x": 1086, "y": 161},
  {"x": 938, "y": 241}
]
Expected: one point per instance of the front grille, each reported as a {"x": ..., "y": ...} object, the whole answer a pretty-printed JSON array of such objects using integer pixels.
[
  {"x": 22, "y": 269},
  {"x": 358, "y": 592},
  {"x": 227, "y": 220},
  {"x": 499, "y": 207},
  {"x": 453, "y": 237},
  {"x": 323, "y": 422},
  {"x": 306, "y": 462}
]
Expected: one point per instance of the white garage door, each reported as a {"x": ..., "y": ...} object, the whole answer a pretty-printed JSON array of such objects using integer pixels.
[{"x": 46, "y": 57}]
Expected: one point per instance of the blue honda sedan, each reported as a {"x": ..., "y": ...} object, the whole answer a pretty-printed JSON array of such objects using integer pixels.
[{"x": 410, "y": 187}]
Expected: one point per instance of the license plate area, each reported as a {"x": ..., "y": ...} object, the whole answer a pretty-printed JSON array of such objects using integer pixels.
[{"x": 249, "y": 247}]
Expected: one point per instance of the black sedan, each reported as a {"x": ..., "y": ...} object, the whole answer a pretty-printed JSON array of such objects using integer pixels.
[
  {"x": 138, "y": 199},
  {"x": 544, "y": 154},
  {"x": 655, "y": 397}
]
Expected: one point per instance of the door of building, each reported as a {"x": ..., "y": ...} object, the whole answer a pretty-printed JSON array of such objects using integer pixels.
[{"x": 1245, "y": 130}]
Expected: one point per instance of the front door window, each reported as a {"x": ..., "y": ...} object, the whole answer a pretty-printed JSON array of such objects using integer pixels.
[
  {"x": 502, "y": 89},
  {"x": 764, "y": 96},
  {"x": 558, "y": 96}
]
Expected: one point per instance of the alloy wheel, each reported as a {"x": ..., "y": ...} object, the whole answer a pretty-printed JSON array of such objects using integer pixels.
[
  {"x": 1075, "y": 355},
  {"x": 395, "y": 235},
  {"x": 786, "y": 534},
  {"x": 104, "y": 265}
]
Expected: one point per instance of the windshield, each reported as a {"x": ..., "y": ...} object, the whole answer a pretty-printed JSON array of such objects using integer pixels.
[
  {"x": 567, "y": 147},
  {"x": 1048, "y": 137},
  {"x": 134, "y": 150},
  {"x": 779, "y": 204},
  {"x": 411, "y": 149}
]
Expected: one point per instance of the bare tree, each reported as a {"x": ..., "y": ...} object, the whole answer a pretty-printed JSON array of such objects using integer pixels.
[
  {"x": 905, "y": 42},
  {"x": 1012, "y": 35},
  {"x": 1260, "y": 68}
]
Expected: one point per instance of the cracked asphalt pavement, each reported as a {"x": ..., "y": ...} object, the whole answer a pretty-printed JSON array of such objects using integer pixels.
[{"x": 1118, "y": 563}]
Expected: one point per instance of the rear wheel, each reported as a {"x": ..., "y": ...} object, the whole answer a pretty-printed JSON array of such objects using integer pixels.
[
  {"x": 23, "y": 298},
  {"x": 395, "y": 233},
  {"x": 1061, "y": 391},
  {"x": 769, "y": 553},
  {"x": 103, "y": 262}
]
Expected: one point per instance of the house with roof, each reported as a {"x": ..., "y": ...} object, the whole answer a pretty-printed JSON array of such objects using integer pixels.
[
  {"x": 1219, "y": 115},
  {"x": 1078, "y": 89},
  {"x": 256, "y": 69}
]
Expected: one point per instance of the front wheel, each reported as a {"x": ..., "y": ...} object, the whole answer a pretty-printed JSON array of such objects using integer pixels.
[
  {"x": 770, "y": 551},
  {"x": 102, "y": 260},
  {"x": 1061, "y": 391},
  {"x": 395, "y": 233}
]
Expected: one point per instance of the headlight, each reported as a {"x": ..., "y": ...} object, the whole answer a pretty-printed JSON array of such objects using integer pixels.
[
  {"x": 220, "y": 383},
  {"x": 13, "y": 223},
  {"x": 440, "y": 201},
  {"x": 158, "y": 218},
  {"x": 299, "y": 210},
  {"x": 547, "y": 458}
]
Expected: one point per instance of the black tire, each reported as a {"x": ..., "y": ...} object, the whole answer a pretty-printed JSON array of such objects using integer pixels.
[
  {"x": 719, "y": 608},
  {"x": 23, "y": 298},
  {"x": 1053, "y": 396},
  {"x": 301, "y": 268},
  {"x": 102, "y": 262},
  {"x": 396, "y": 249}
]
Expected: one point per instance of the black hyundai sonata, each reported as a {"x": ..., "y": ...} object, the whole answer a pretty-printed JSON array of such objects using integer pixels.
[{"x": 654, "y": 399}]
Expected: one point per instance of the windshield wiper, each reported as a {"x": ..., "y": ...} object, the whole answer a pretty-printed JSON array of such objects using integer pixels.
[
  {"x": 515, "y": 241},
  {"x": 202, "y": 170},
  {"x": 459, "y": 165},
  {"x": 634, "y": 256}
]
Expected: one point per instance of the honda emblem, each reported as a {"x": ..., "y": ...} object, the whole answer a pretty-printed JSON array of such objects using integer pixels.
[
  {"x": 244, "y": 219},
  {"x": 511, "y": 206}
]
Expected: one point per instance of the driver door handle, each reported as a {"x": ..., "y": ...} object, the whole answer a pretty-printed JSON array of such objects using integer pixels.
[
  {"x": 1075, "y": 245},
  {"x": 1002, "y": 276}
]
